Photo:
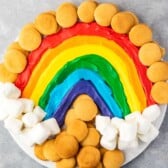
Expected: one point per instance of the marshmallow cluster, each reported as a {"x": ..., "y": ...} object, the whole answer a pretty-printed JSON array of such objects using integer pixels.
[
  {"x": 126, "y": 133},
  {"x": 40, "y": 132},
  {"x": 23, "y": 118}
]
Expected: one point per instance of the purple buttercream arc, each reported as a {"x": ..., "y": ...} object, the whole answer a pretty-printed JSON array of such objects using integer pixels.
[{"x": 82, "y": 87}]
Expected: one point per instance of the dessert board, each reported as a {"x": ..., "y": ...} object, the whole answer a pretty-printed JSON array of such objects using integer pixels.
[{"x": 102, "y": 72}]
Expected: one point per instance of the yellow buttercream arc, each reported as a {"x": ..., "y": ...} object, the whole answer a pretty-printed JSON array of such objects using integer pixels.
[{"x": 77, "y": 46}]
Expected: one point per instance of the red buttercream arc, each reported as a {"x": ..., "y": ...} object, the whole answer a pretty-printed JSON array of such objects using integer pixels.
[{"x": 91, "y": 29}]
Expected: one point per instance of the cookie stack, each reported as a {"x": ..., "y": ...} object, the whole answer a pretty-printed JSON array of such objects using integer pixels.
[{"x": 79, "y": 143}]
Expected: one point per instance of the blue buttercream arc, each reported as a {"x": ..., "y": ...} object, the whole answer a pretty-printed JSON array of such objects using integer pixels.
[
  {"x": 59, "y": 92},
  {"x": 81, "y": 87}
]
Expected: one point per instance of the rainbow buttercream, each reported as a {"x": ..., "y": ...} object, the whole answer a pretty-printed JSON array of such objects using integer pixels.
[
  {"x": 39, "y": 80},
  {"x": 86, "y": 29}
]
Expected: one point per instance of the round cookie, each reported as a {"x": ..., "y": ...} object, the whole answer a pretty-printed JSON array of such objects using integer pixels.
[
  {"x": 113, "y": 159},
  {"x": 5, "y": 75},
  {"x": 46, "y": 23},
  {"x": 66, "y": 163},
  {"x": 38, "y": 151},
  {"x": 104, "y": 13},
  {"x": 136, "y": 20},
  {"x": 159, "y": 92},
  {"x": 70, "y": 116},
  {"x": 78, "y": 129},
  {"x": 88, "y": 157},
  {"x": 150, "y": 53},
  {"x": 85, "y": 109},
  {"x": 66, "y": 15},
  {"x": 92, "y": 139},
  {"x": 52, "y": 12},
  {"x": 80, "y": 97},
  {"x": 158, "y": 71},
  {"x": 66, "y": 145},
  {"x": 140, "y": 34},
  {"x": 29, "y": 38},
  {"x": 86, "y": 11},
  {"x": 15, "y": 45},
  {"x": 15, "y": 61},
  {"x": 122, "y": 22},
  {"x": 50, "y": 152}
]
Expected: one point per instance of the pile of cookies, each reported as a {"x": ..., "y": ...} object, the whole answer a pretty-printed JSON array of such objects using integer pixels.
[{"x": 79, "y": 142}]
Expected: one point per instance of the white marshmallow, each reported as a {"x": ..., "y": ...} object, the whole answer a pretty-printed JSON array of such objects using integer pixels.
[
  {"x": 39, "y": 112},
  {"x": 9, "y": 90},
  {"x": 28, "y": 105},
  {"x": 52, "y": 125},
  {"x": 128, "y": 131},
  {"x": 152, "y": 112},
  {"x": 133, "y": 116},
  {"x": 116, "y": 122},
  {"x": 13, "y": 107},
  {"x": 101, "y": 122},
  {"x": 109, "y": 145},
  {"x": 26, "y": 137},
  {"x": 143, "y": 124},
  {"x": 150, "y": 135},
  {"x": 123, "y": 145},
  {"x": 14, "y": 125},
  {"x": 30, "y": 119},
  {"x": 40, "y": 133},
  {"x": 110, "y": 132}
]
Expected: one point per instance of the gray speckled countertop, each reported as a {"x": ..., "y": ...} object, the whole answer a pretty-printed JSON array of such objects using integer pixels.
[{"x": 15, "y": 13}]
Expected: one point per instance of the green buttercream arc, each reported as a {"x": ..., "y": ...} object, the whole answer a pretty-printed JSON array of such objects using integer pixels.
[{"x": 97, "y": 64}]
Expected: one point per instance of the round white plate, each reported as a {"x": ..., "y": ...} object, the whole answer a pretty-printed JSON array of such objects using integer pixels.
[{"x": 130, "y": 154}]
